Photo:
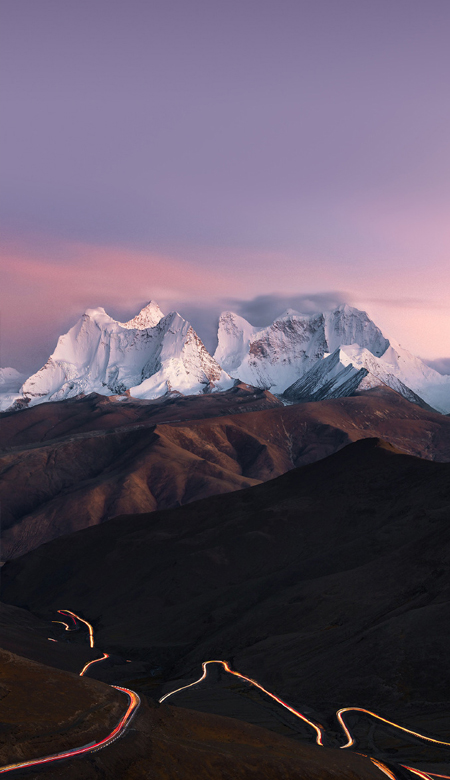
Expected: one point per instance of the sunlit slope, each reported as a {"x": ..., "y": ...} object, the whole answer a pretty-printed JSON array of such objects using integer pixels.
[{"x": 78, "y": 463}]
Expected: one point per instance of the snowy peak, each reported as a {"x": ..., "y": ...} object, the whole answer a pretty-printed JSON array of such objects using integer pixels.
[
  {"x": 346, "y": 325},
  {"x": 276, "y": 356},
  {"x": 299, "y": 356},
  {"x": 234, "y": 337},
  {"x": 352, "y": 366},
  {"x": 148, "y": 317},
  {"x": 104, "y": 356},
  {"x": 324, "y": 356}
]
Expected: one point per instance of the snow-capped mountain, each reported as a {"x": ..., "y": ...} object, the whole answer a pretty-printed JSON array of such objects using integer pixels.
[
  {"x": 399, "y": 369},
  {"x": 336, "y": 376},
  {"x": 332, "y": 377},
  {"x": 325, "y": 356},
  {"x": 10, "y": 380},
  {"x": 276, "y": 356},
  {"x": 149, "y": 355},
  {"x": 10, "y": 383},
  {"x": 298, "y": 357}
]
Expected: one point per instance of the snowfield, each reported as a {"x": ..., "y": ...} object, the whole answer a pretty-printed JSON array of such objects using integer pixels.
[{"x": 298, "y": 357}]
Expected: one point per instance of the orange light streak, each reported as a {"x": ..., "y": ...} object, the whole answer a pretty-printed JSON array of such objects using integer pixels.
[
  {"x": 115, "y": 734},
  {"x": 317, "y": 729},
  {"x": 62, "y": 623},
  {"x": 76, "y": 617},
  {"x": 383, "y": 768},
  {"x": 95, "y": 661},
  {"x": 351, "y": 741},
  {"x": 424, "y": 775},
  {"x": 135, "y": 702},
  {"x": 62, "y": 611}
]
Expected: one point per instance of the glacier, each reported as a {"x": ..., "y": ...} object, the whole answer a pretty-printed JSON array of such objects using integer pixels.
[
  {"x": 147, "y": 357},
  {"x": 298, "y": 357},
  {"x": 310, "y": 357}
]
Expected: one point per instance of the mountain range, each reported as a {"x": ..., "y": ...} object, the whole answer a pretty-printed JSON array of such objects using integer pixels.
[{"x": 297, "y": 358}]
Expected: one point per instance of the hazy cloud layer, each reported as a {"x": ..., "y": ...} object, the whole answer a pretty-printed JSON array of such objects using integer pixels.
[
  {"x": 259, "y": 311},
  {"x": 263, "y": 309}
]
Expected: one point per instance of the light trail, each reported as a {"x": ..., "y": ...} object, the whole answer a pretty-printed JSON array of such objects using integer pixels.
[
  {"x": 424, "y": 775},
  {"x": 351, "y": 741},
  {"x": 317, "y": 728},
  {"x": 75, "y": 618},
  {"x": 95, "y": 661},
  {"x": 62, "y": 611},
  {"x": 62, "y": 623},
  {"x": 92, "y": 746},
  {"x": 135, "y": 702},
  {"x": 383, "y": 768}
]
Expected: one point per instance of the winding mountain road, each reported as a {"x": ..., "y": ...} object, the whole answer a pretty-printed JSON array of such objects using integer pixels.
[
  {"x": 319, "y": 729},
  {"x": 91, "y": 747},
  {"x": 134, "y": 702}
]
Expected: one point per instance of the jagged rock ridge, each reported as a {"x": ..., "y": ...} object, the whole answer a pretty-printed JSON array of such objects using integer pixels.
[
  {"x": 149, "y": 356},
  {"x": 325, "y": 356},
  {"x": 298, "y": 357}
]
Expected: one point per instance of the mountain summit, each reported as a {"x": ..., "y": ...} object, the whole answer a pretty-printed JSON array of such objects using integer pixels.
[
  {"x": 298, "y": 357},
  {"x": 148, "y": 317},
  {"x": 150, "y": 355},
  {"x": 276, "y": 356},
  {"x": 312, "y": 357}
]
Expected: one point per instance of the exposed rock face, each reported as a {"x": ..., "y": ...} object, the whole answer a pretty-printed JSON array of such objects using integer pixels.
[
  {"x": 292, "y": 357},
  {"x": 328, "y": 378}
]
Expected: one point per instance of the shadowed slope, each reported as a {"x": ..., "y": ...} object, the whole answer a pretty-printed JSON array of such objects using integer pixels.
[
  {"x": 54, "y": 487},
  {"x": 45, "y": 711},
  {"x": 329, "y": 584}
]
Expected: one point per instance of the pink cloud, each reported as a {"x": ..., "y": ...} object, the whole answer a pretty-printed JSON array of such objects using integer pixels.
[{"x": 48, "y": 284}]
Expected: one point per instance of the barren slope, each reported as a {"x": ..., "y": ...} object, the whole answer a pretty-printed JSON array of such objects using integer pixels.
[
  {"x": 110, "y": 459},
  {"x": 45, "y": 711},
  {"x": 331, "y": 582}
]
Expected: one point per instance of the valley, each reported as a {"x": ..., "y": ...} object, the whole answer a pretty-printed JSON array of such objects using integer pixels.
[{"x": 295, "y": 587}]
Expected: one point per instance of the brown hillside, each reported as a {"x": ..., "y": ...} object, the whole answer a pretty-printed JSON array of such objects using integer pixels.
[{"x": 54, "y": 487}]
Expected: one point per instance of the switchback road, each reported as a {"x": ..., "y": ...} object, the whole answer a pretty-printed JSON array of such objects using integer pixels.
[{"x": 134, "y": 702}]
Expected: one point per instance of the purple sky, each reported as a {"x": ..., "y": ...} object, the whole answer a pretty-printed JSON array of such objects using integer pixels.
[{"x": 217, "y": 151}]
